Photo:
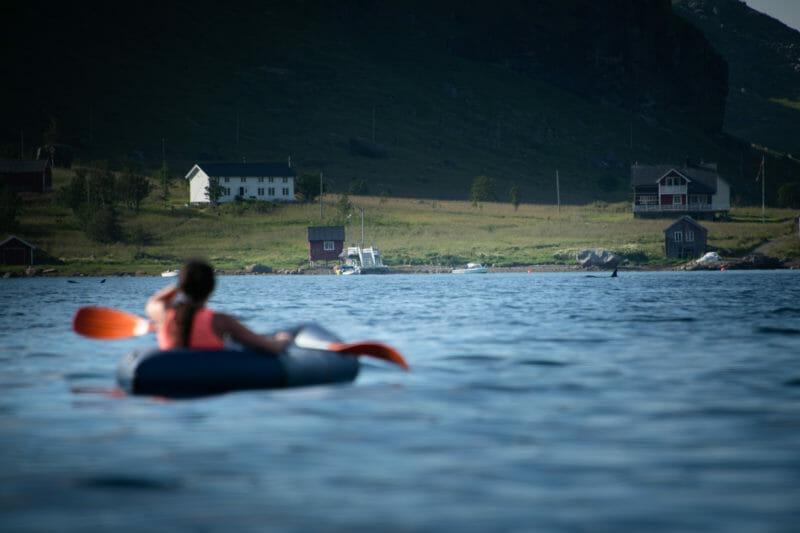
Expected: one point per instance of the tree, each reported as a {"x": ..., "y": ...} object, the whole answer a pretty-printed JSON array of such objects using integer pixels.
[
  {"x": 515, "y": 196},
  {"x": 102, "y": 184},
  {"x": 358, "y": 187},
  {"x": 133, "y": 186},
  {"x": 344, "y": 205},
  {"x": 789, "y": 195},
  {"x": 483, "y": 190},
  {"x": 103, "y": 225},
  {"x": 162, "y": 175},
  {"x": 214, "y": 190},
  {"x": 75, "y": 194},
  {"x": 306, "y": 187}
]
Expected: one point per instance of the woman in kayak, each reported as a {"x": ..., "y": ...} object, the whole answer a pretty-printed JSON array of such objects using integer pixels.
[{"x": 182, "y": 320}]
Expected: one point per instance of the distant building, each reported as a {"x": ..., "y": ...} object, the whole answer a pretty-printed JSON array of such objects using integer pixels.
[
  {"x": 660, "y": 190},
  {"x": 325, "y": 243},
  {"x": 15, "y": 251},
  {"x": 27, "y": 175},
  {"x": 262, "y": 181},
  {"x": 685, "y": 239}
]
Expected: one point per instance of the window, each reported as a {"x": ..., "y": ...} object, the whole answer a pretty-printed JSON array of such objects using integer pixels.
[
  {"x": 227, "y": 180},
  {"x": 677, "y": 200},
  {"x": 328, "y": 246},
  {"x": 271, "y": 191},
  {"x": 227, "y": 191},
  {"x": 678, "y": 236},
  {"x": 261, "y": 191},
  {"x": 690, "y": 236},
  {"x": 261, "y": 180},
  {"x": 285, "y": 191},
  {"x": 243, "y": 180},
  {"x": 271, "y": 180},
  {"x": 286, "y": 180}
]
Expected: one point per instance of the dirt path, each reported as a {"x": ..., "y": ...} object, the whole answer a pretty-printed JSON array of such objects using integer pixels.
[{"x": 767, "y": 247}]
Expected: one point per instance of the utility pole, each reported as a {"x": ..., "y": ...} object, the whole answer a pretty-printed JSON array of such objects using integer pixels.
[
  {"x": 362, "y": 227},
  {"x": 164, "y": 169},
  {"x": 558, "y": 193},
  {"x": 763, "y": 181}
]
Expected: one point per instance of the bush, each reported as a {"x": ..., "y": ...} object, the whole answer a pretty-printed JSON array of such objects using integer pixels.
[{"x": 103, "y": 226}]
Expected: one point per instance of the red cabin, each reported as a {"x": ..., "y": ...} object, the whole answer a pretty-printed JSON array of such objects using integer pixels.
[
  {"x": 24, "y": 175},
  {"x": 325, "y": 243}
]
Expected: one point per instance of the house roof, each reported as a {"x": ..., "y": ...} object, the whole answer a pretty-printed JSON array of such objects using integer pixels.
[
  {"x": 325, "y": 233},
  {"x": 686, "y": 219},
  {"x": 22, "y": 166},
  {"x": 702, "y": 178},
  {"x": 244, "y": 170},
  {"x": 15, "y": 238}
]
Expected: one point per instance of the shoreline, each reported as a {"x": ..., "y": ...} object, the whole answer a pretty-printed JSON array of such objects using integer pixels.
[{"x": 750, "y": 262}]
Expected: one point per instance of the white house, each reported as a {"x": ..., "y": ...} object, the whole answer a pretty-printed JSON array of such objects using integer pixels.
[{"x": 263, "y": 181}]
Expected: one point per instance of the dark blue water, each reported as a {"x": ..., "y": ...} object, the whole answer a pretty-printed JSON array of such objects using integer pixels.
[{"x": 666, "y": 401}]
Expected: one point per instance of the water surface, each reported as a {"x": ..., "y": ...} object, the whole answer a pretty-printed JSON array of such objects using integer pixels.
[{"x": 664, "y": 401}]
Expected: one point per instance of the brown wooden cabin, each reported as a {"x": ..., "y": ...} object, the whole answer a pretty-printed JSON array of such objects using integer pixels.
[{"x": 685, "y": 239}]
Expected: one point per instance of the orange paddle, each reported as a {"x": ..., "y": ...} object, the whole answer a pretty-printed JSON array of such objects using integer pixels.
[{"x": 107, "y": 323}]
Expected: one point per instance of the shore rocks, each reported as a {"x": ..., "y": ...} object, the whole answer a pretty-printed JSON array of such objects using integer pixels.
[{"x": 597, "y": 258}]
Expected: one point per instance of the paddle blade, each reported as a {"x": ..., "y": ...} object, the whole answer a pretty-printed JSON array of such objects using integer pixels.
[
  {"x": 106, "y": 323},
  {"x": 374, "y": 349}
]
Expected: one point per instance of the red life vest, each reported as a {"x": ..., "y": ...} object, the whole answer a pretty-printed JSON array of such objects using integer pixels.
[{"x": 201, "y": 336}]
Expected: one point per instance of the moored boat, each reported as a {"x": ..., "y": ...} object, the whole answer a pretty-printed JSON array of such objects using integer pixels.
[
  {"x": 170, "y": 273},
  {"x": 363, "y": 260},
  {"x": 471, "y": 268}
]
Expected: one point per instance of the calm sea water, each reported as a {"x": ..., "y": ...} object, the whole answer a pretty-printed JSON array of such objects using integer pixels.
[{"x": 665, "y": 401}]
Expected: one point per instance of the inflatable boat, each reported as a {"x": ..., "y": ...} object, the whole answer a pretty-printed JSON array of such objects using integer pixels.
[{"x": 189, "y": 372}]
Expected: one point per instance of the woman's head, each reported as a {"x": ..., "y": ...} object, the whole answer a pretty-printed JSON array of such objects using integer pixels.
[{"x": 196, "y": 280}]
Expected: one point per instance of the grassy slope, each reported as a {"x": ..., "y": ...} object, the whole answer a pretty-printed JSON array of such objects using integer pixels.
[{"x": 408, "y": 231}]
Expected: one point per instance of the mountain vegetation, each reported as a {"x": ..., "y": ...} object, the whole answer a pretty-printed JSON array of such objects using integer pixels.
[{"x": 409, "y": 99}]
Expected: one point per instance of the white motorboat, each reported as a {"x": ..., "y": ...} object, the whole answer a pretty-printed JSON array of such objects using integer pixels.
[
  {"x": 170, "y": 273},
  {"x": 471, "y": 268},
  {"x": 363, "y": 261}
]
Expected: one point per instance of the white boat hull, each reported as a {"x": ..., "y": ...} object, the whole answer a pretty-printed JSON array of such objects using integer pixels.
[{"x": 472, "y": 268}]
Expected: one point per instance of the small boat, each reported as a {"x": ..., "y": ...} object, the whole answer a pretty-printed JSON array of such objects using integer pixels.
[
  {"x": 363, "y": 261},
  {"x": 170, "y": 273},
  {"x": 345, "y": 270},
  {"x": 471, "y": 268}
]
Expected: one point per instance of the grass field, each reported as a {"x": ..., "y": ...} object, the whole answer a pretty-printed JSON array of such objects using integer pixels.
[{"x": 408, "y": 232}]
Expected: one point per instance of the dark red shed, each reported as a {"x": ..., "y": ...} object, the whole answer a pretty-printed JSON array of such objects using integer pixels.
[
  {"x": 24, "y": 175},
  {"x": 15, "y": 251},
  {"x": 325, "y": 243}
]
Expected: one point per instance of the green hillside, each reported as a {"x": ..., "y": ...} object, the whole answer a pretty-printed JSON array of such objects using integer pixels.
[
  {"x": 763, "y": 103},
  {"x": 446, "y": 98}
]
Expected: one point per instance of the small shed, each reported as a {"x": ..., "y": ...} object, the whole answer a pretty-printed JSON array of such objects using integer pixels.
[
  {"x": 15, "y": 251},
  {"x": 24, "y": 175},
  {"x": 685, "y": 239},
  {"x": 325, "y": 243}
]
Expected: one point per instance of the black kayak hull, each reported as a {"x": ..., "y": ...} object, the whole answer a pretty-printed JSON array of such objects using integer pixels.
[{"x": 190, "y": 372}]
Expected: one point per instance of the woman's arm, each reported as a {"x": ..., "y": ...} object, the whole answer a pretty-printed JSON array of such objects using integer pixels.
[
  {"x": 227, "y": 325},
  {"x": 156, "y": 306}
]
